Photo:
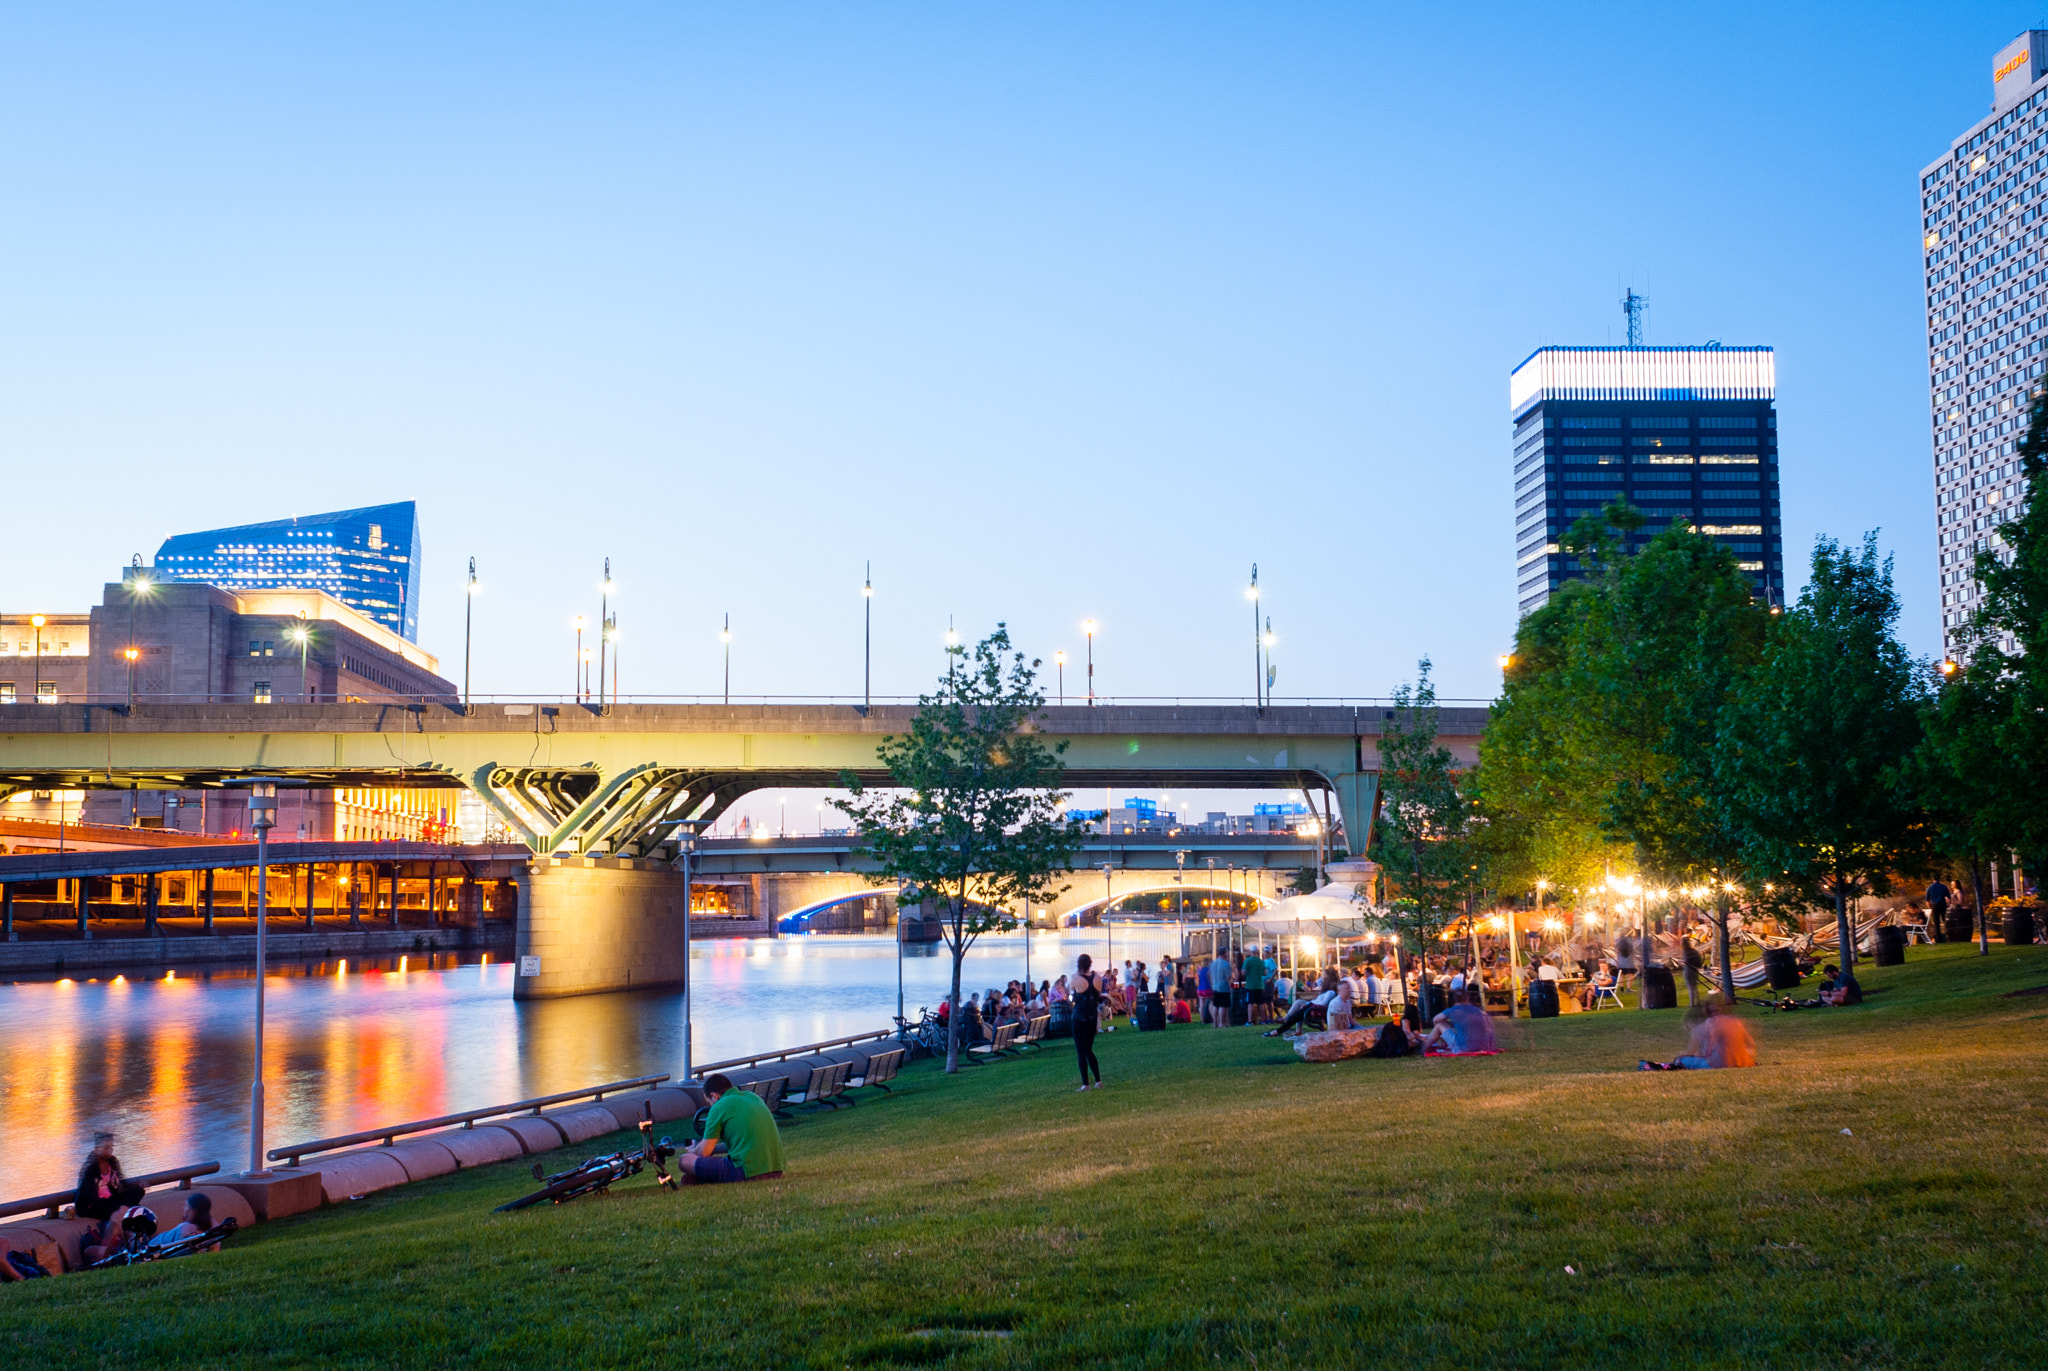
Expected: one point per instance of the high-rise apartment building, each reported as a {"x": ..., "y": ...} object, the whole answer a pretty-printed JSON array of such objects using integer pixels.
[
  {"x": 1982, "y": 240},
  {"x": 1679, "y": 432},
  {"x": 369, "y": 559}
]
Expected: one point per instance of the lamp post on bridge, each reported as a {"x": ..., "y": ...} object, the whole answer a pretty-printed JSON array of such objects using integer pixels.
[
  {"x": 1088, "y": 627},
  {"x": 138, "y": 586},
  {"x": 867, "y": 650},
  {"x": 1060, "y": 660},
  {"x": 577, "y": 624},
  {"x": 604, "y": 629},
  {"x": 725, "y": 636},
  {"x": 1258, "y": 653},
  {"x": 1107, "y": 931},
  {"x": 468, "y": 614},
  {"x": 303, "y": 636}
]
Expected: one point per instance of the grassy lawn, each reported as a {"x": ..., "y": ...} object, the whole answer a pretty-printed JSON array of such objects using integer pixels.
[{"x": 1221, "y": 1203}]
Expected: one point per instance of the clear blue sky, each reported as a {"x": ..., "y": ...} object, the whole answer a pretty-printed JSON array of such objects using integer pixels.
[{"x": 1050, "y": 311}]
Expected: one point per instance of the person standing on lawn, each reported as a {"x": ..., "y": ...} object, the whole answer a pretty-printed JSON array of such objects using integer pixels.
[
  {"x": 1087, "y": 1000},
  {"x": 1220, "y": 976},
  {"x": 740, "y": 1120},
  {"x": 1255, "y": 987}
]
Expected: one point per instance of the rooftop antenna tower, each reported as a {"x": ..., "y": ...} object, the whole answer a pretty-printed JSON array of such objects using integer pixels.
[{"x": 1632, "y": 306}]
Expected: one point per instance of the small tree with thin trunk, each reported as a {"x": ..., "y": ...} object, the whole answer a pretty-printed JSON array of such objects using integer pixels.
[
  {"x": 1820, "y": 740},
  {"x": 972, "y": 816},
  {"x": 1423, "y": 836}
]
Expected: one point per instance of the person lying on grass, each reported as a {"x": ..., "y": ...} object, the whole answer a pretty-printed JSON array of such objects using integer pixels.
[
  {"x": 197, "y": 1218},
  {"x": 1718, "y": 1040},
  {"x": 1463, "y": 1028},
  {"x": 739, "y": 1119}
]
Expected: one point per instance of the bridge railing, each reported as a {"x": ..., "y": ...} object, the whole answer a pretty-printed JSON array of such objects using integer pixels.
[
  {"x": 56, "y": 1199},
  {"x": 467, "y": 1118},
  {"x": 786, "y": 1053},
  {"x": 118, "y": 701}
]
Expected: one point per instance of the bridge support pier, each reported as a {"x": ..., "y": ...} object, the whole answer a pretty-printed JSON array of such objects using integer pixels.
[
  {"x": 78, "y": 888},
  {"x": 596, "y": 924}
]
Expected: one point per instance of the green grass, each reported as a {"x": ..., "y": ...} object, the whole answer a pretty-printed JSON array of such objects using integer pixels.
[{"x": 1221, "y": 1203}]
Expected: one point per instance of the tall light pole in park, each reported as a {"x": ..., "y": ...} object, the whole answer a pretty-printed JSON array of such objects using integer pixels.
[
  {"x": 1088, "y": 627},
  {"x": 867, "y": 642},
  {"x": 686, "y": 848},
  {"x": 468, "y": 614},
  {"x": 1258, "y": 653},
  {"x": 262, "y": 816}
]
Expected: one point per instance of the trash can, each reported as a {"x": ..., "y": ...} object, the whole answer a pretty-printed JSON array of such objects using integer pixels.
[
  {"x": 1962, "y": 926},
  {"x": 1153, "y": 1012},
  {"x": 1062, "y": 1025},
  {"x": 1543, "y": 999},
  {"x": 1240, "y": 1008},
  {"x": 2019, "y": 925},
  {"x": 1891, "y": 946},
  {"x": 1781, "y": 968},
  {"x": 1660, "y": 991}
]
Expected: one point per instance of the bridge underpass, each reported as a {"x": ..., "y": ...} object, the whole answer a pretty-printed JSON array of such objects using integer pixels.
[{"x": 597, "y": 795}]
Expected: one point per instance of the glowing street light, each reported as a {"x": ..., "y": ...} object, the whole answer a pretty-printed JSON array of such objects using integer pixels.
[
  {"x": 867, "y": 641},
  {"x": 577, "y": 624},
  {"x": 468, "y": 610},
  {"x": 725, "y": 637},
  {"x": 1060, "y": 660},
  {"x": 303, "y": 636},
  {"x": 1258, "y": 652}
]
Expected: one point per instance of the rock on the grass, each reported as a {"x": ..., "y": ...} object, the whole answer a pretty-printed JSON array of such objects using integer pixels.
[{"x": 1336, "y": 1046}]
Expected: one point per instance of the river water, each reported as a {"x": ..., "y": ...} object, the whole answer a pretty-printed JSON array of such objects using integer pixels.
[{"x": 163, "y": 1059}]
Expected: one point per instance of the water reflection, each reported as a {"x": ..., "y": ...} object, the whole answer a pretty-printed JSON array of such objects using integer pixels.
[{"x": 163, "y": 1058}]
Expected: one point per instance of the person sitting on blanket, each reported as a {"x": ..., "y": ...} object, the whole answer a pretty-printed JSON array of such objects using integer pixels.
[
  {"x": 1463, "y": 1028},
  {"x": 1395, "y": 1040},
  {"x": 740, "y": 1120},
  {"x": 1718, "y": 1040},
  {"x": 1841, "y": 987}
]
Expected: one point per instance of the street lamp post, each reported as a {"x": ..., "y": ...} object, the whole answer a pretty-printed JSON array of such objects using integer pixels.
[
  {"x": 1060, "y": 660},
  {"x": 1088, "y": 627},
  {"x": 604, "y": 628},
  {"x": 303, "y": 636},
  {"x": 468, "y": 613},
  {"x": 262, "y": 815},
  {"x": 867, "y": 642},
  {"x": 1107, "y": 931},
  {"x": 131, "y": 654},
  {"x": 686, "y": 847},
  {"x": 1272, "y": 672},
  {"x": 952, "y": 648},
  {"x": 138, "y": 585},
  {"x": 725, "y": 636},
  {"x": 38, "y": 621},
  {"x": 577, "y": 624}
]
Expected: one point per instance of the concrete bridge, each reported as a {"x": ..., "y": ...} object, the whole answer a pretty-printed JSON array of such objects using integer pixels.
[{"x": 597, "y": 795}]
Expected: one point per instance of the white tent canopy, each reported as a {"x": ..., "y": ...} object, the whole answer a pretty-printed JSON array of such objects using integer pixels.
[{"x": 1325, "y": 915}]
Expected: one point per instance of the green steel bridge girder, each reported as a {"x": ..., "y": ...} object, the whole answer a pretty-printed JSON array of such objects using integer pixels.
[{"x": 570, "y": 777}]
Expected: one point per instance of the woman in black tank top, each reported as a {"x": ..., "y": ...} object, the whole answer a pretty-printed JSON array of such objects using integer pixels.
[{"x": 1087, "y": 1006}]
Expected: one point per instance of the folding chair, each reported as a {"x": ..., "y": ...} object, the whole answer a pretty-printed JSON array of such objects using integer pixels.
[{"x": 1607, "y": 994}]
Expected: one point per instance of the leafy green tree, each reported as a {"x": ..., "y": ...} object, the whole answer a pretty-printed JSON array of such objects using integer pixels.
[
  {"x": 1971, "y": 786},
  {"x": 972, "y": 816},
  {"x": 1821, "y": 739},
  {"x": 1424, "y": 832}
]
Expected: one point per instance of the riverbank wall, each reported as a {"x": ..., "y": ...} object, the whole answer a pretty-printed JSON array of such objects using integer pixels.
[{"x": 120, "y": 954}]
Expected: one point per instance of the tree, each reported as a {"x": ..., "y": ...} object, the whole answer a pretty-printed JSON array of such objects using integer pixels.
[
  {"x": 1425, "y": 824},
  {"x": 1970, "y": 785},
  {"x": 973, "y": 805},
  {"x": 1821, "y": 738}
]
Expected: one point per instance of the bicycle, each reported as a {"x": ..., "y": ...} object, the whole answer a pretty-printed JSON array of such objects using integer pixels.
[
  {"x": 927, "y": 1034},
  {"x": 601, "y": 1173}
]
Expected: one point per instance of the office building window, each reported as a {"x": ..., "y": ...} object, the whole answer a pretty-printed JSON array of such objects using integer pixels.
[
  {"x": 46, "y": 692},
  {"x": 261, "y": 694},
  {"x": 6, "y": 692}
]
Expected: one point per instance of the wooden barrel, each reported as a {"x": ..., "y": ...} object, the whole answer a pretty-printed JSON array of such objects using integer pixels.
[
  {"x": 1781, "y": 968},
  {"x": 2019, "y": 926},
  {"x": 1891, "y": 946},
  {"x": 1543, "y": 999},
  {"x": 1660, "y": 991}
]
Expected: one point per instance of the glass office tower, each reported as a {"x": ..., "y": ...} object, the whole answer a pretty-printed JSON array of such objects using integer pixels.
[
  {"x": 369, "y": 559},
  {"x": 1981, "y": 244},
  {"x": 1679, "y": 432}
]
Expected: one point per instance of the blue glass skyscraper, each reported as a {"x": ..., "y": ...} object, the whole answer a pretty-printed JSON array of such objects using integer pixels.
[{"x": 369, "y": 559}]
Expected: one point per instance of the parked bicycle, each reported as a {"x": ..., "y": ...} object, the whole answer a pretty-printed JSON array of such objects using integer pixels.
[{"x": 601, "y": 1173}]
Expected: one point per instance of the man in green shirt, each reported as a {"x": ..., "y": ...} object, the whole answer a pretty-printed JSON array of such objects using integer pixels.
[
  {"x": 738, "y": 1118},
  {"x": 1254, "y": 973}
]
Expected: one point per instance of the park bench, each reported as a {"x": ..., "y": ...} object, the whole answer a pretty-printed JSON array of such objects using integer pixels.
[
  {"x": 881, "y": 1068},
  {"x": 1001, "y": 1045},
  {"x": 826, "y": 1087},
  {"x": 1033, "y": 1036}
]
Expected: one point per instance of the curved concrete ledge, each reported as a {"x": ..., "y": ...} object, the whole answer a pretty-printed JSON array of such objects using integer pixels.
[
  {"x": 22, "y": 1237},
  {"x": 535, "y": 1132},
  {"x": 479, "y": 1146},
  {"x": 69, "y": 1237},
  {"x": 169, "y": 1203},
  {"x": 625, "y": 1108},
  {"x": 676, "y": 1102},
  {"x": 422, "y": 1157},
  {"x": 348, "y": 1174},
  {"x": 583, "y": 1122}
]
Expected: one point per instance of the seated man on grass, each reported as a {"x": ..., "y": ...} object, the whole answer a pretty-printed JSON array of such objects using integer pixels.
[
  {"x": 1718, "y": 1040},
  {"x": 738, "y": 1118},
  {"x": 1841, "y": 988},
  {"x": 1463, "y": 1029}
]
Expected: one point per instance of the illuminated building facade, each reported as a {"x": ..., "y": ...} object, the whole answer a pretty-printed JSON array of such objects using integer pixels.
[
  {"x": 1678, "y": 432},
  {"x": 1981, "y": 244},
  {"x": 369, "y": 559}
]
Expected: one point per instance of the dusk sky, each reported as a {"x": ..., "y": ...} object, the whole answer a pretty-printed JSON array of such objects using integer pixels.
[{"x": 1051, "y": 311}]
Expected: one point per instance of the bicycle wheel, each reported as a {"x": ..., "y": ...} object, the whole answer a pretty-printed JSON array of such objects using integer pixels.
[{"x": 567, "y": 1188}]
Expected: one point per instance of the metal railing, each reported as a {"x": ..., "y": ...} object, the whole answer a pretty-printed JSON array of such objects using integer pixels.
[
  {"x": 467, "y": 1118},
  {"x": 803, "y": 1051},
  {"x": 56, "y": 1199},
  {"x": 118, "y": 701}
]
